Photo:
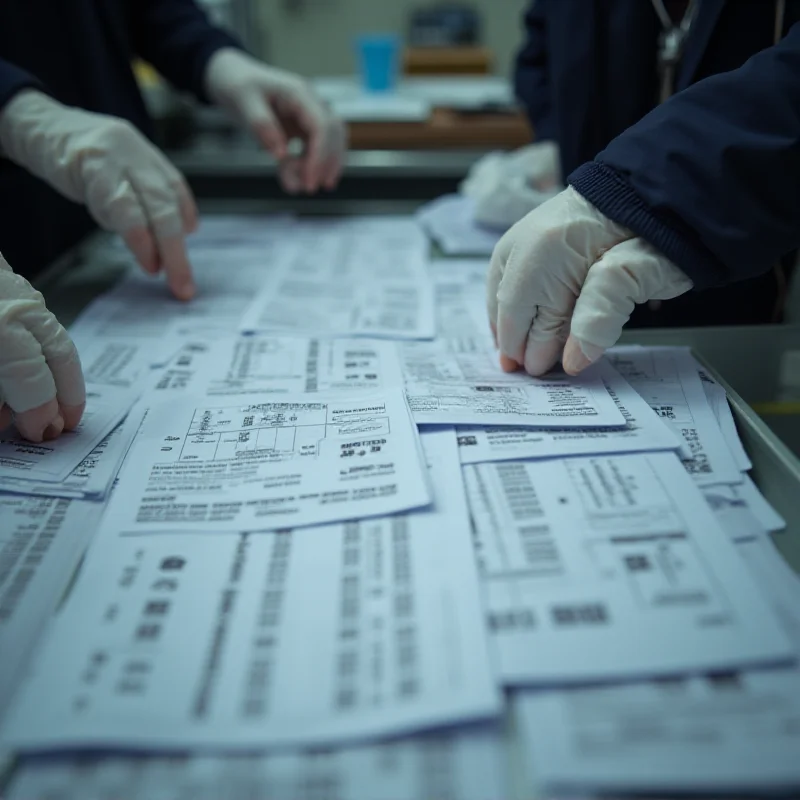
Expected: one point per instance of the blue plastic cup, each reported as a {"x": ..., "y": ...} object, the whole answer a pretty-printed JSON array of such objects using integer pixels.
[{"x": 378, "y": 57}]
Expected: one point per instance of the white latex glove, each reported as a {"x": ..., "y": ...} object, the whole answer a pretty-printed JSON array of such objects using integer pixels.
[
  {"x": 538, "y": 163},
  {"x": 566, "y": 273},
  {"x": 508, "y": 201},
  {"x": 41, "y": 382},
  {"x": 278, "y": 106},
  {"x": 128, "y": 186}
]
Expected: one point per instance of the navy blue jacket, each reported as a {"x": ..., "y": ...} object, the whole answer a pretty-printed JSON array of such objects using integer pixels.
[
  {"x": 80, "y": 52},
  {"x": 712, "y": 177}
]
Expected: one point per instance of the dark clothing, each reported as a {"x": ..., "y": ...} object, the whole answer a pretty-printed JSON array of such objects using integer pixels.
[
  {"x": 80, "y": 52},
  {"x": 695, "y": 167}
]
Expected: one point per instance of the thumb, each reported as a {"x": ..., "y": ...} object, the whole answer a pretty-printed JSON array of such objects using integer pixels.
[
  {"x": 629, "y": 273},
  {"x": 255, "y": 111}
]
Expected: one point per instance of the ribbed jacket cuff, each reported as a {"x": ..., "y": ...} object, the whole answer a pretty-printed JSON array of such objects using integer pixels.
[{"x": 607, "y": 190}]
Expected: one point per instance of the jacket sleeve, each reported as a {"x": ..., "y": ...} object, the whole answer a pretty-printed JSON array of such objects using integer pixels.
[
  {"x": 712, "y": 176},
  {"x": 531, "y": 77},
  {"x": 13, "y": 80},
  {"x": 177, "y": 38}
]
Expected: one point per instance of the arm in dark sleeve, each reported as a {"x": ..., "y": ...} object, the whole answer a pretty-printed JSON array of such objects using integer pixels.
[
  {"x": 531, "y": 78},
  {"x": 176, "y": 37},
  {"x": 712, "y": 177},
  {"x": 13, "y": 80}
]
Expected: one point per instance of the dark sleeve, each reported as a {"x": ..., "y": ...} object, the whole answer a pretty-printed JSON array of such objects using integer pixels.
[
  {"x": 531, "y": 78},
  {"x": 13, "y": 80},
  {"x": 712, "y": 177},
  {"x": 176, "y": 37}
]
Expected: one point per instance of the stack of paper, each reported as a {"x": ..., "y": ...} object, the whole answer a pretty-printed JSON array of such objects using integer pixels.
[
  {"x": 450, "y": 221},
  {"x": 330, "y": 532}
]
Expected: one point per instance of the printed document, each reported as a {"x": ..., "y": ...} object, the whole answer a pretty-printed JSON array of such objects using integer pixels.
[
  {"x": 351, "y": 278},
  {"x": 463, "y": 765},
  {"x": 236, "y": 365},
  {"x": 741, "y": 510},
  {"x": 643, "y": 431},
  {"x": 41, "y": 542},
  {"x": 667, "y": 379},
  {"x": 459, "y": 382},
  {"x": 609, "y": 568},
  {"x": 450, "y": 221},
  {"x": 246, "y": 464},
  {"x": 308, "y": 637},
  {"x": 53, "y": 461}
]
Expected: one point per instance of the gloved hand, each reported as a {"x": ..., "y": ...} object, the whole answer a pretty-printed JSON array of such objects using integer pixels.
[
  {"x": 41, "y": 383},
  {"x": 127, "y": 185},
  {"x": 538, "y": 163},
  {"x": 278, "y": 106},
  {"x": 568, "y": 273}
]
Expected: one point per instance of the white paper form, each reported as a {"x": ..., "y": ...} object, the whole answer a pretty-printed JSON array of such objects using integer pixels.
[
  {"x": 461, "y": 299},
  {"x": 246, "y": 464},
  {"x": 53, "y": 461},
  {"x": 41, "y": 541},
  {"x": 644, "y": 432},
  {"x": 238, "y": 365},
  {"x": 742, "y": 510},
  {"x": 359, "y": 277},
  {"x": 314, "y": 636},
  {"x": 609, "y": 568},
  {"x": 458, "y": 381},
  {"x": 667, "y": 379},
  {"x": 728, "y": 732},
  {"x": 462, "y": 765},
  {"x": 718, "y": 400},
  {"x": 450, "y": 220},
  {"x": 142, "y": 308}
]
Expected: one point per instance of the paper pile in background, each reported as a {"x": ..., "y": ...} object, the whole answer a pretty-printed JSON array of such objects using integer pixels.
[
  {"x": 337, "y": 520},
  {"x": 450, "y": 221}
]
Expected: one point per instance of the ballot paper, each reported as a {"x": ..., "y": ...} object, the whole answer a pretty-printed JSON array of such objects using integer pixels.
[
  {"x": 728, "y": 732},
  {"x": 41, "y": 541},
  {"x": 718, "y": 400},
  {"x": 114, "y": 362},
  {"x": 93, "y": 477},
  {"x": 236, "y": 365},
  {"x": 53, "y": 461},
  {"x": 246, "y": 464},
  {"x": 611, "y": 567},
  {"x": 741, "y": 510},
  {"x": 307, "y": 637},
  {"x": 352, "y": 278},
  {"x": 644, "y": 431},
  {"x": 450, "y": 221},
  {"x": 464, "y": 765},
  {"x": 667, "y": 379},
  {"x": 459, "y": 287},
  {"x": 141, "y": 308},
  {"x": 459, "y": 382}
]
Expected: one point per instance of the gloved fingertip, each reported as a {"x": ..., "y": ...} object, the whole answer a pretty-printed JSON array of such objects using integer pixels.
[
  {"x": 71, "y": 415},
  {"x": 541, "y": 357},
  {"x": 575, "y": 360},
  {"x": 508, "y": 364},
  {"x": 54, "y": 429}
]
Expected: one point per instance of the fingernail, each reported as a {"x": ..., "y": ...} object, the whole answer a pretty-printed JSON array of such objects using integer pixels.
[
  {"x": 54, "y": 429},
  {"x": 575, "y": 360}
]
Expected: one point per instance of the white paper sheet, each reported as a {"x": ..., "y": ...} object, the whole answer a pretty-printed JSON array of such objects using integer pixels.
[
  {"x": 350, "y": 278},
  {"x": 93, "y": 477},
  {"x": 246, "y": 464},
  {"x": 460, "y": 765},
  {"x": 718, "y": 400},
  {"x": 742, "y": 510},
  {"x": 729, "y": 732},
  {"x": 41, "y": 541},
  {"x": 450, "y": 220},
  {"x": 459, "y": 382},
  {"x": 53, "y": 461},
  {"x": 313, "y": 636},
  {"x": 236, "y": 365},
  {"x": 644, "y": 431},
  {"x": 667, "y": 379},
  {"x": 609, "y": 568}
]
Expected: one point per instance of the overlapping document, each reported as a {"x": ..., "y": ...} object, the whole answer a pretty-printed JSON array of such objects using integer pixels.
[{"x": 322, "y": 532}]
